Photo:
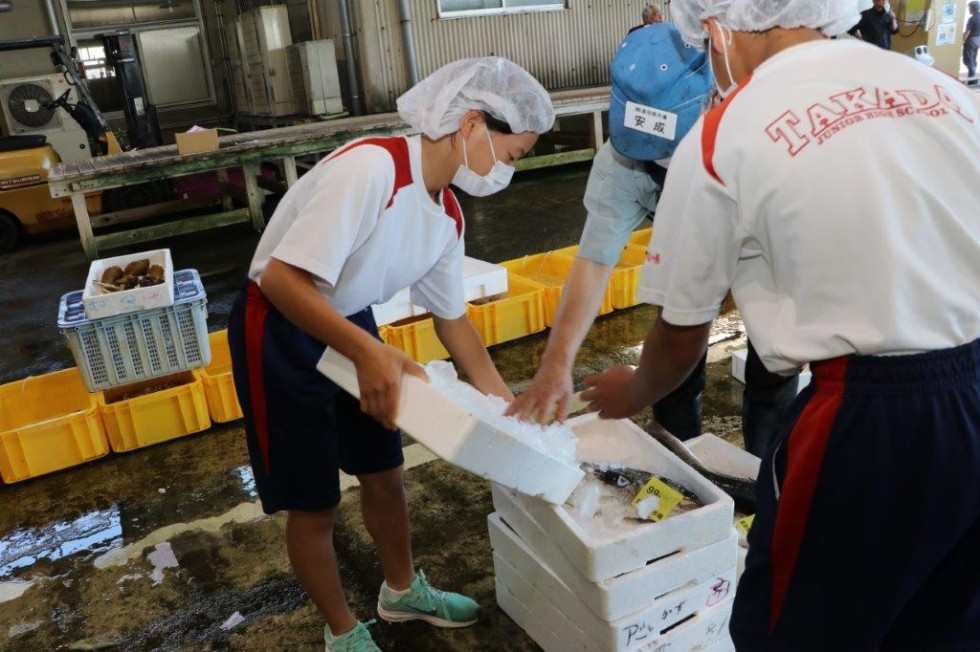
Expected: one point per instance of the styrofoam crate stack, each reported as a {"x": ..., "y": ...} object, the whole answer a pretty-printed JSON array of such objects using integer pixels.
[
  {"x": 480, "y": 280},
  {"x": 576, "y": 583}
]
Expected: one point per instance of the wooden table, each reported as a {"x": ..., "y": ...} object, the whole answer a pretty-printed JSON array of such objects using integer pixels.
[{"x": 248, "y": 150}]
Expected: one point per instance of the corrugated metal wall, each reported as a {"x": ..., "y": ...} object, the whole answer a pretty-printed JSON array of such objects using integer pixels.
[{"x": 563, "y": 49}]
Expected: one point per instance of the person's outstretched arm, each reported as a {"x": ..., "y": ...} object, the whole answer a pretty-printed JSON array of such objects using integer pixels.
[
  {"x": 470, "y": 354},
  {"x": 670, "y": 354},
  {"x": 552, "y": 386}
]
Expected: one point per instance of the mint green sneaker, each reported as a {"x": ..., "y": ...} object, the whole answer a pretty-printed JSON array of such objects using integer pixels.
[
  {"x": 423, "y": 602},
  {"x": 356, "y": 640}
]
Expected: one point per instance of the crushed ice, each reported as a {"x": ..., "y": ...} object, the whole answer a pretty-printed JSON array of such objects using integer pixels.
[{"x": 556, "y": 440}]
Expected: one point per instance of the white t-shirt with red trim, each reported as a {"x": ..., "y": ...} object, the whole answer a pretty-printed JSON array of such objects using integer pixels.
[
  {"x": 362, "y": 223},
  {"x": 835, "y": 193}
]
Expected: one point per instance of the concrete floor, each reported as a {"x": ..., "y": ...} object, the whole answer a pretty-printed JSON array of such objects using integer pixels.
[{"x": 84, "y": 553}]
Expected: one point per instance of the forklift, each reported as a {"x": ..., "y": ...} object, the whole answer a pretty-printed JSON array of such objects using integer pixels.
[{"x": 26, "y": 205}]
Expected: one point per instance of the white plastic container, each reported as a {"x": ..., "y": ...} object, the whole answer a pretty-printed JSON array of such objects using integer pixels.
[
  {"x": 99, "y": 304},
  {"x": 599, "y": 552},
  {"x": 719, "y": 455},
  {"x": 738, "y": 370},
  {"x": 480, "y": 280},
  {"x": 620, "y": 596},
  {"x": 688, "y": 619},
  {"x": 517, "y": 566},
  {"x": 459, "y": 437}
]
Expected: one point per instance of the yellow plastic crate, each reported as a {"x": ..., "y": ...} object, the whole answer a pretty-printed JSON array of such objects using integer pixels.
[
  {"x": 219, "y": 385},
  {"x": 550, "y": 270},
  {"x": 417, "y": 337},
  {"x": 621, "y": 291},
  {"x": 134, "y": 419},
  {"x": 518, "y": 313},
  {"x": 642, "y": 237},
  {"x": 48, "y": 423},
  {"x": 626, "y": 277}
]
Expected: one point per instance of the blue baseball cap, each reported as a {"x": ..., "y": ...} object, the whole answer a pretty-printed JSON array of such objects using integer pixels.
[{"x": 659, "y": 87}]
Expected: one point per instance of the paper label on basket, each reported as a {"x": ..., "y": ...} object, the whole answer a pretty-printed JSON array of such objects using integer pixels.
[
  {"x": 743, "y": 525},
  {"x": 657, "y": 500}
]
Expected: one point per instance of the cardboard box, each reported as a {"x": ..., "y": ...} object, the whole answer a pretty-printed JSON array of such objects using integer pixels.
[{"x": 197, "y": 142}]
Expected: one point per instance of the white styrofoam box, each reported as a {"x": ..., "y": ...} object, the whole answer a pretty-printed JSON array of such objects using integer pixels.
[
  {"x": 638, "y": 595},
  {"x": 738, "y": 370},
  {"x": 480, "y": 280},
  {"x": 738, "y": 364},
  {"x": 600, "y": 552},
  {"x": 396, "y": 308},
  {"x": 549, "y": 628},
  {"x": 459, "y": 437},
  {"x": 518, "y": 568},
  {"x": 709, "y": 627},
  {"x": 723, "y": 644},
  {"x": 617, "y": 597},
  {"x": 742, "y": 554},
  {"x": 316, "y": 82},
  {"x": 98, "y": 304},
  {"x": 724, "y": 457}
]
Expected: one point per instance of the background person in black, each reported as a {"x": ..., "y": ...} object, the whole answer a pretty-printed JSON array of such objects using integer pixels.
[
  {"x": 971, "y": 41},
  {"x": 877, "y": 25}
]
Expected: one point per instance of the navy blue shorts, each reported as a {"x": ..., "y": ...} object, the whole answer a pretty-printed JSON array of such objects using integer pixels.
[
  {"x": 300, "y": 426},
  {"x": 867, "y": 535}
]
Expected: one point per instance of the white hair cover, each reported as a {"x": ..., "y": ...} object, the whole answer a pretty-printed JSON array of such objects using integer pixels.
[
  {"x": 832, "y": 17},
  {"x": 436, "y": 105}
]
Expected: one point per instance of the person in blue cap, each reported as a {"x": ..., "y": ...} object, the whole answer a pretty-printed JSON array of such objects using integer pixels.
[{"x": 660, "y": 87}]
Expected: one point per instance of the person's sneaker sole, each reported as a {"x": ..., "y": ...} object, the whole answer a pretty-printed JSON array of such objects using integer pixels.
[{"x": 403, "y": 616}]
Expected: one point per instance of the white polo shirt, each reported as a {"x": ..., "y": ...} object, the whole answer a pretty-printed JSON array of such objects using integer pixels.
[
  {"x": 362, "y": 223},
  {"x": 836, "y": 194}
]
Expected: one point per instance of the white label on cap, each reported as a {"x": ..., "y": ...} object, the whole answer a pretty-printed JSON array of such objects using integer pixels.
[{"x": 647, "y": 119}]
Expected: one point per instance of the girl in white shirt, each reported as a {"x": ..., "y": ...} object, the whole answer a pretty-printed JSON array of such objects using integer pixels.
[{"x": 372, "y": 218}]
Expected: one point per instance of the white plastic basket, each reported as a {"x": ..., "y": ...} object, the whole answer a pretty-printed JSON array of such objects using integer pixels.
[{"x": 136, "y": 346}]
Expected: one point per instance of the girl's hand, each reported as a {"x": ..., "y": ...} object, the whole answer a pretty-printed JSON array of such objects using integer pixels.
[{"x": 379, "y": 376}]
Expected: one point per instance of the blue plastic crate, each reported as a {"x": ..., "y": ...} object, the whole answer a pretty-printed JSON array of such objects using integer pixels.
[{"x": 136, "y": 346}]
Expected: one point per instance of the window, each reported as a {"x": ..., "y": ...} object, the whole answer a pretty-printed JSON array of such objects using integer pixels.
[{"x": 461, "y": 8}]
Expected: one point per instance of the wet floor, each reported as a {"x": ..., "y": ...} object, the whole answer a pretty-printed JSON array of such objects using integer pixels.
[{"x": 158, "y": 548}]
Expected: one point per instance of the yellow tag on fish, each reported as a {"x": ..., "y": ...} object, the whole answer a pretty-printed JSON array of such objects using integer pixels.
[
  {"x": 664, "y": 498},
  {"x": 743, "y": 525}
]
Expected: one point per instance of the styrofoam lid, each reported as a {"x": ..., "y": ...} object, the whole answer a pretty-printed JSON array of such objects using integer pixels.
[{"x": 467, "y": 440}]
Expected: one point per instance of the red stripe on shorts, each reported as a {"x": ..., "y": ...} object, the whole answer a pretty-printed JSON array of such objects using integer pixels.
[
  {"x": 256, "y": 310},
  {"x": 806, "y": 446}
]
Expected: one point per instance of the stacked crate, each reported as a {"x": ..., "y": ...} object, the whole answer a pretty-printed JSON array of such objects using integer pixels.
[
  {"x": 139, "y": 352},
  {"x": 574, "y": 583},
  {"x": 265, "y": 36}
]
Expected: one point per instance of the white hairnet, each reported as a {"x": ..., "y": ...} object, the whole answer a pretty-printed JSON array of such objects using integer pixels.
[
  {"x": 832, "y": 17},
  {"x": 496, "y": 85}
]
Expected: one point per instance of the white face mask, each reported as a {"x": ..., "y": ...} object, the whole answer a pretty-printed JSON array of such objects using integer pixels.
[
  {"x": 475, "y": 185},
  {"x": 724, "y": 92}
]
